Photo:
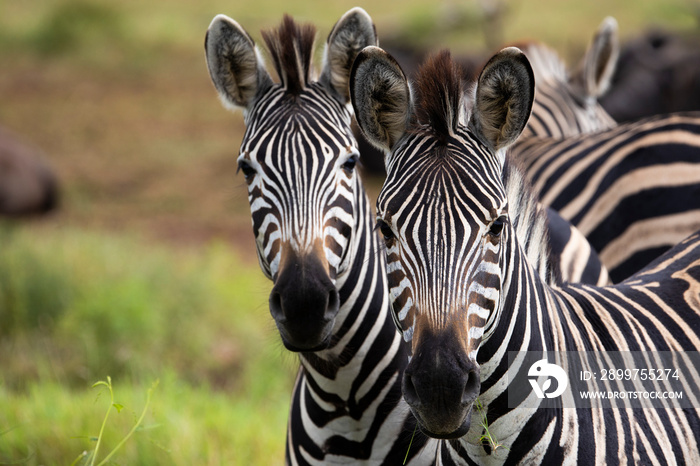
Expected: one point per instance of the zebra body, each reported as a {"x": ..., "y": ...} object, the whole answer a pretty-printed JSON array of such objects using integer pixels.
[
  {"x": 313, "y": 226},
  {"x": 566, "y": 105},
  {"x": 632, "y": 190},
  {"x": 469, "y": 282}
]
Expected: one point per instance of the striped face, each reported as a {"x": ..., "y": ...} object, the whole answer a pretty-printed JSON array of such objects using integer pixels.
[
  {"x": 298, "y": 157},
  {"x": 443, "y": 212},
  {"x": 443, "y": 226}
]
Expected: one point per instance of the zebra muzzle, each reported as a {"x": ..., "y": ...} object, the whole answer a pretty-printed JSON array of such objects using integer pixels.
[
  {"x": 304, "y": 303},
  {"x": 440, "y": 387}
]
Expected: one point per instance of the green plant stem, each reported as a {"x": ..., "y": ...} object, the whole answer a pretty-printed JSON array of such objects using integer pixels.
[
  {"x": 133, "y": 429},
  {"x": 107, "y": 384},
  {"x": 79, "y": 458},
  {"x": 483, "y": 420},
  {"x": 410, "y": 443}
]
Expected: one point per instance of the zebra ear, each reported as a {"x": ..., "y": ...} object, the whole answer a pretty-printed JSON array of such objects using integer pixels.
[
  {"x": 594, "y": 75},
  {"x": 504, "y": 94},
  {"x": 353, "y": 32},
  {"x": 234, "y": 63},
  {"x": 380, "y": 96}
]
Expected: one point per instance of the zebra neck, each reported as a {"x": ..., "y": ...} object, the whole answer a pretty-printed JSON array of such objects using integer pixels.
[
  {"x": 529, "y": 219},
  {"x": 523, "y": 321},
  {"x": 523, "y": 325},
  {"x": 364, "y": 333}
]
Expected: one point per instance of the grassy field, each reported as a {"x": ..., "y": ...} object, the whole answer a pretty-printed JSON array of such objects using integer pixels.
[
  {"x": 86, "y": 305},
  {"x": 147, "y": 272}
]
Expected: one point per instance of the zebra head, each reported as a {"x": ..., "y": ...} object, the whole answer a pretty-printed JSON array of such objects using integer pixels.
[
  {"x": 298, "y": 157},
  {"x": 567, "y": 103},
  {"x": 444, "y": 214}
]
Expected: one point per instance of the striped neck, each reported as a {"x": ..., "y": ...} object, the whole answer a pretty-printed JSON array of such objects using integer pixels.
[
  {"x": 526, "y": 288},
  {"x": 347, "y": 398},
  {"x": 364, "y": 297}
]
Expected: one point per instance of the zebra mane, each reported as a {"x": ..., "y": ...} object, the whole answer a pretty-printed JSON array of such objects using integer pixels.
[
  {"x": 530, "y": 221},
  {"x": 291, "y": 47},
  {"x": 546, "y": 63},
  {"x": 439, "y": 100}
]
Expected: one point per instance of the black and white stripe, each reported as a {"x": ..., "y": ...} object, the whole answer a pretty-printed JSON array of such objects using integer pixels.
[
  {"x": 566, "y": 103},
  {"x": 466, "y": 266},
  {"x": 315, "y": 239},
  {"x": 633, "y": 190}
]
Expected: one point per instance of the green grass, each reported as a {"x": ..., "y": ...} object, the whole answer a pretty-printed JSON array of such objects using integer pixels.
[
  {"x": 486, "y": 437},
  {"x": 98, "y": 302},
  {"x": 77, "y": 307},
  {"x": 90, "y": 458},
  {"x": 184, "y": 425}
]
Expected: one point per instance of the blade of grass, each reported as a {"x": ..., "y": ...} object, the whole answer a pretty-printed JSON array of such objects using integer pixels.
[
  {"x": 107, "y": 384},
  {"x": 133, "y": 429},
  {"x": 486, "y": 437},
  {"x": 410, "y": 443}
]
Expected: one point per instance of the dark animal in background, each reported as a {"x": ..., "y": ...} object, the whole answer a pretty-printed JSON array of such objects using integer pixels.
[
  {"x": 28, "y": 185},
  {"x": 658, "y": 72}
]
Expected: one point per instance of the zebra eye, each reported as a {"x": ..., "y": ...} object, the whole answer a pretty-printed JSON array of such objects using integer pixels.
[
  {"x": 497, "y": 226},
  {"x": 248, "y": 171},
  {"x": 350, "y": 163},
  {"x": 386, "y": 230}
]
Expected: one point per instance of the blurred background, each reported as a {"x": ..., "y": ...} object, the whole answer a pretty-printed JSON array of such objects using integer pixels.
[{"x": 125, "y": 242}]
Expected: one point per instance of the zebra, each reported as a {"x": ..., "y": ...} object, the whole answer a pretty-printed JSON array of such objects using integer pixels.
[
  {"x": 620, "y": 186},
  {"x": 467, "y": 270},
  {"x": 315, "y": 239},
  {"x": 566, "y": 104},
  {"x": 632, "y": 190}
]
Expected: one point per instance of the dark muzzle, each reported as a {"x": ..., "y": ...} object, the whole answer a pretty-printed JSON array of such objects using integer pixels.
[
  {"x": 440, "y": 385},
  {"x": 304, "y": 303}
]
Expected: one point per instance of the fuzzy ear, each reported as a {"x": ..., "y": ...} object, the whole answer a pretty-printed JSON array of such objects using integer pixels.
[
  {"x": 380, "y": 96},
  {"x": 593, "y": 76},
  {"x": 353, "y": 32},
  {"x": 234, "y": 63},
  {"x": 504, "y": 95}
]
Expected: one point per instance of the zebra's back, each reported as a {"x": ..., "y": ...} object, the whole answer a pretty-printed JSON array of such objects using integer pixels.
[{"x": 633, "y": 191}]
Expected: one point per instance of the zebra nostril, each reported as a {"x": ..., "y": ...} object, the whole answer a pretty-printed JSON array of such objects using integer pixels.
[
  {"x": 471, "y": 388},
  {"x": 276, "y": 306},
  {"x": 409, "y": 390},
  {"x": 333, "y": 302}
]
